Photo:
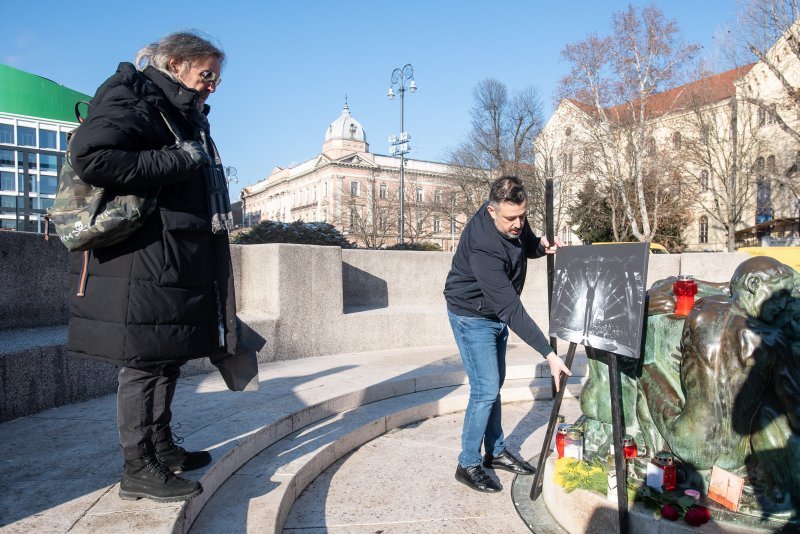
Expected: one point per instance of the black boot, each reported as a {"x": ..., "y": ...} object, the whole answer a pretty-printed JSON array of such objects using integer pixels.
[
  {"x": 148, "y": 478},
  {"x": 175, "y": 457}
]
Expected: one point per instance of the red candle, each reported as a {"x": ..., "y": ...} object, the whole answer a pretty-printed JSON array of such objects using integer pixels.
[
  {"x": 629, "y": 447},
  {"x": 685, "y": 289},
  {"x": 561, "y": 436},
  {"x": 666, "y": 462}
]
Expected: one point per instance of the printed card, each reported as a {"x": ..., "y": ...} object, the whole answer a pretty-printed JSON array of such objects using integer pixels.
[{"x": 725, "y": 488}]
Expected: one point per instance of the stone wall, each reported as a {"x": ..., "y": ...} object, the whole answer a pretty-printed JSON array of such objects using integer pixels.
[{"x": 300, "y": 300}]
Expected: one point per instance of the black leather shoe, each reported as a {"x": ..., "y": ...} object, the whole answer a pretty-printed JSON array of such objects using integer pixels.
[
  {"x": 476, "y": 478},
  {"x": 508, "y": 462}
]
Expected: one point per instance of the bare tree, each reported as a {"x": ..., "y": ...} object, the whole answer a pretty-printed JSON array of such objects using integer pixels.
[
  {"x": 560, "y": 164},
  {"x": 764, "y": 23},
  {"x": 500, "y": 141},
  {"x": 370, "y": 216},
  {"x": 614, "y": 79},
  {"x": 721, "y": 144}
]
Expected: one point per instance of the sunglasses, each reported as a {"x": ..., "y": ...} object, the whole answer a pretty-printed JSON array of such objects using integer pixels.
[{"x": 209, "y": 76}]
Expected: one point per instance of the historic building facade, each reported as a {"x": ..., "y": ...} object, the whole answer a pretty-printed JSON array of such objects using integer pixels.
[
  {"x": 358, "y": 192},
  {"x": 694, "y": 129},
  {"x": 35, "y": 116}
]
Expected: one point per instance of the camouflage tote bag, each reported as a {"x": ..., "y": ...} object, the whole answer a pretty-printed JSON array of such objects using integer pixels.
[{"x": 88, "y": 217}]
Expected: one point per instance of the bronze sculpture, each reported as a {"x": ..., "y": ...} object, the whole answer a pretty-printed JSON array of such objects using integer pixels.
[{"x": 720, "y": 387}]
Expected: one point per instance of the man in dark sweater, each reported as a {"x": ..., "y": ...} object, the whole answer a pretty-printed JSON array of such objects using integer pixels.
[{"x": 482, "y": 293}]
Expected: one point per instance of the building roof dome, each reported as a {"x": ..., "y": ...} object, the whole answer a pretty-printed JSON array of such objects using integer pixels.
[{"x": 346, "y": 127}]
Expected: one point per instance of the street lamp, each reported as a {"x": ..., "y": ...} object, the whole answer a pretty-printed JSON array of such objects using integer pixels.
[{"x": 399, "y": 145}]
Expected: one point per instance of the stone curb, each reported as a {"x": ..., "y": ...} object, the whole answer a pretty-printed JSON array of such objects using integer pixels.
[{"x": 295, "y": 475}]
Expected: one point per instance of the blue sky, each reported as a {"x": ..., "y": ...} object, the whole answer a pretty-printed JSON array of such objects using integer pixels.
[{"x": 292, "y": 62}]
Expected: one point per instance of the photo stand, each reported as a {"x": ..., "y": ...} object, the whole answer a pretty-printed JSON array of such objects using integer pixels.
[{"x": 608, "y": 278}]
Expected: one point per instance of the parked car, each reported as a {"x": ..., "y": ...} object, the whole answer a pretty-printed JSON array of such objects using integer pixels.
[
  {"x": 788, "y": 255},
  {"x": 655, "y": 248}
]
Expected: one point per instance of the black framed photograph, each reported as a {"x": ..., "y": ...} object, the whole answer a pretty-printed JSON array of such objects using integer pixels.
[{"x": 599, "y": 295}]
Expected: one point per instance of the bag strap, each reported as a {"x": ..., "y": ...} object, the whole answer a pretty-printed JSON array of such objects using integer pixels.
[
  {"x": 172, "y": 128},
  {"x": 78, "y": 111}
]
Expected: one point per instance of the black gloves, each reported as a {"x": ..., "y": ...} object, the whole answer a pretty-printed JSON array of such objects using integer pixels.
[{"x": 195, "y": 151}]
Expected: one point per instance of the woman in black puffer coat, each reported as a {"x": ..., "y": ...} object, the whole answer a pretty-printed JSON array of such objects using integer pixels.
[{"x": 164, "y": 295}]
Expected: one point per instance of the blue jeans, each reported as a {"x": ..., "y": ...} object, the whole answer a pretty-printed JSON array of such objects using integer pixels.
[{"x": 482, "y": 344}]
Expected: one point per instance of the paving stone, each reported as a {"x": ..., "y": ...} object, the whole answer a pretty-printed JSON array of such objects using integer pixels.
[{"x": 403, "y": 481}]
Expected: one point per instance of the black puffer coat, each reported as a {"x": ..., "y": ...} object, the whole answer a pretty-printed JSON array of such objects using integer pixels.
[{"x": 161, "y": 295}]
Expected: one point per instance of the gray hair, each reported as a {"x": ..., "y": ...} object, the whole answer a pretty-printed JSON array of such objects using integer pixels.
[{"x": 184, "y": 46}]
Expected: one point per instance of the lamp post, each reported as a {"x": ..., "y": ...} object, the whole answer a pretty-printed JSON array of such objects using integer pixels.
[{"x": 399, "y": 145}]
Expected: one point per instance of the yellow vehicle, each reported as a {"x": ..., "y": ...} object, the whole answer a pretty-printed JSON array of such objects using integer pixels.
[
  {"x": 655, "y": 248},
  {"x": 788, "y": 255}
]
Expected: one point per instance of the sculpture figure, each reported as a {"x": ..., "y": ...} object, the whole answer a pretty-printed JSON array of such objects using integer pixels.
[{"x": 720, "y": 387}]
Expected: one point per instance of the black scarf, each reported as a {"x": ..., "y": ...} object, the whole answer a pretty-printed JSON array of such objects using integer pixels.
[{"x": 184, "y": 100}]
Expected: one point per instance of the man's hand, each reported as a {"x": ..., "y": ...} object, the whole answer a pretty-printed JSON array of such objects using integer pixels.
[
  {"x": 556, "y": 244},
  {"x": 557, "y": 367}
]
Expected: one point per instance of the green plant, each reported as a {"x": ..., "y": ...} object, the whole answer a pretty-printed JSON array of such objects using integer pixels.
[
  {"x": 298, "y": 232},
  {"x": 419, "y": 245}
]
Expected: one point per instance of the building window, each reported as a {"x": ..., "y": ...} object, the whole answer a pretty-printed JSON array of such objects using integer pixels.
[
  {"x": 703, "y": 234},
  {"x": 651, "y": 147},
  {"x": 437, "y": 197},
  {"x": 325, "y": 189},
  {"x": 437, "y": 225},
  {"x": 703, "y": 181},
  {"x": 676, "y": 141},
  {"x": 420, "y": 225},
  {"x": 6, "y": 134},
  {"x": 761, "y": 116},
  {"x": 773, "y": 113},
  {"x": 8, "y": 204},
  {"x": 62, "y": 141},
  {"x": 7, "y": 181},
  {"x": 48, "y": 184},
  {"x": 354, "y": 188},
  {"x": 31, "y": 182},
  {"x": 420, "y": 194},
  {"x": 384, "y": 191},
  {"x": 383, "y": 220},
  {"x": 353, "y": 218},
  {"x": 48, "y": 162},
  {"x": 26, "y": 136},
  {"x": 47, "y": 139},
  {"x": 771, "y": 165},
  {"x": 315, "y": 193},
  {"x": 566, "y": 162},
  {"x": 31, "y": 157},
  {"x": 588, "y": 159},
  {"x": 6, "y": 158},
  {"x": 568, "y": 131},
  {"x": 324, "y": 214},
  {"x": 763, "y": 199}
]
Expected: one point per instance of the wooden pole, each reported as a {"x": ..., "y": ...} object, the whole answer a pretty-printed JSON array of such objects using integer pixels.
[
  {"x": 619, "y": 458},
  {"x": 551, "y": 262},
  {"x": 536, "y": 489}
]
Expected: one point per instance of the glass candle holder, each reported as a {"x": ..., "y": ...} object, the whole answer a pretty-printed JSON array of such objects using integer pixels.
[{"x": 685, "y": 288}]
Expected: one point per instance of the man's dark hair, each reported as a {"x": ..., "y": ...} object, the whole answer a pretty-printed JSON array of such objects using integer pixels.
[{"x": 507, "y": 189}]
